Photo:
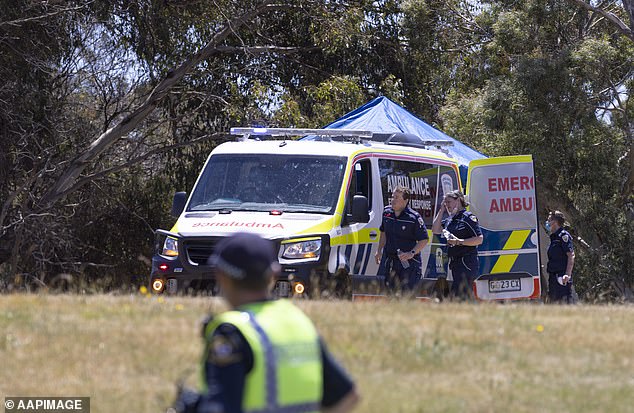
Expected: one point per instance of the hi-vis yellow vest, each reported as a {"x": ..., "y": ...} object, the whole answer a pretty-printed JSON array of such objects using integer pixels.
[{"x": 287, "y": 368}]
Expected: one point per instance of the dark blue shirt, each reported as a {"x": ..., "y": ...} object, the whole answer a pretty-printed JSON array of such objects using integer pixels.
[
  {"x": 463, "y": 225},
  {"x": 560, "y": 246},
  {"x": 402, "y": 232}
]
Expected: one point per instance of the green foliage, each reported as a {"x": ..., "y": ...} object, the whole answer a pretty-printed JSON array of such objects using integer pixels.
[
  {"x": 549, "y": 71},
  {"x": 333, "y": 98},
  {"x": 506, "y": 77}
]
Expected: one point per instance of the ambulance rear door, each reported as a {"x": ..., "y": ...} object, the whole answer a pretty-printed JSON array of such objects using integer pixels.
[{"x": 501, "y": 192}]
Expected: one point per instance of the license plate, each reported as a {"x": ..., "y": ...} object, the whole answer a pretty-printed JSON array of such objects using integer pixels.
[
  {"x": 282, "y": 289},
  {"x": 501, "y": 286}
]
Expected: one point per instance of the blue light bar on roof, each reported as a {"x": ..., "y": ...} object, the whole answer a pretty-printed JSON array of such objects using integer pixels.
[{"x": 301, "y": 132}]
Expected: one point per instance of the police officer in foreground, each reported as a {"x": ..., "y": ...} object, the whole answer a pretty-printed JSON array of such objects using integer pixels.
[
  {"x": 263, "y": 355},
  {"x": 403, "y": 237},
  {"x": 561, "y": 259},
  {"x": 463, "y": 234}
]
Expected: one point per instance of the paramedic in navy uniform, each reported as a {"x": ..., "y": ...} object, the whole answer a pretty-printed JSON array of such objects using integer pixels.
[
  {"x": 402, "y": 229},
  {"x": 463, "y": 237},
  {"x": 561, "y": 259}
]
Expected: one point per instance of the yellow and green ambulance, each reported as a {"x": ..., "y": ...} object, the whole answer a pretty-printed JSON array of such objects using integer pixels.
[{"x": 320, "y": 199}]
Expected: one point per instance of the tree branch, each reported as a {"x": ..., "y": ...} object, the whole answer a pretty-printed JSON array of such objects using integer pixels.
[
  {"x": 263, "y": 49},
  {"x": 613, "y": 18},
  {"x": 43, "y": 16},
  {"x": 87, "y": 179},
  {"x": 130, "y": 122}
]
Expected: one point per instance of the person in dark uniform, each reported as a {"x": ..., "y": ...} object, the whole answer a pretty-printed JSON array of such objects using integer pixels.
[
  {"x": 263, "y": 354},
  {"x": 462, "y": 231},
  {"x": 561, "y": 259},
  {"x": 403, "y": 237}
]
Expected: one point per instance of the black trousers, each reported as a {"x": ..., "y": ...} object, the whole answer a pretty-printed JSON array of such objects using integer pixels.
[
  {"x": 558, "y": 293},
  {"x": 399, "y": 278},
  {"x": 464, "y": 271}
]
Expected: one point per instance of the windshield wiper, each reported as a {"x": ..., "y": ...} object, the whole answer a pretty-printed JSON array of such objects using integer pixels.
[
  {"x": 306, "y": 208},
  {"x": 216, "y": 205}
]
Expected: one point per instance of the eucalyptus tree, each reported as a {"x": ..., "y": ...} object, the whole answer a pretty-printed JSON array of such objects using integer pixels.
[
  {"x": 555, "y": 81},
  {"x": 96, "y": 93}
]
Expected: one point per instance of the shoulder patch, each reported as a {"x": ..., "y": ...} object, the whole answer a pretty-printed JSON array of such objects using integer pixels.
[
  {"x": 222, "y": 351},
  {"x": 420, "y": 221},
  {"x": 473, "y": 218},
  {"x": 565, "y": 238}
]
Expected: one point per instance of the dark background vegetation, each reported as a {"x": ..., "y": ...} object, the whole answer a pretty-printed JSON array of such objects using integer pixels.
[{"x": 107, "y": 107}]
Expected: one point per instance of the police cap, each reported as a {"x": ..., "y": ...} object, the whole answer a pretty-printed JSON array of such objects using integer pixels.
[{"x": 244, "y": 256}]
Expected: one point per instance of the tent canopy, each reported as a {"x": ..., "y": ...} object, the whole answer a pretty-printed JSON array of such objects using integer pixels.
[{"x": 384, "y": 116}]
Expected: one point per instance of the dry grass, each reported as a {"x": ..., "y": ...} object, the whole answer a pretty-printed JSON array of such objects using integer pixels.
[{"x": 126, "y": 352}]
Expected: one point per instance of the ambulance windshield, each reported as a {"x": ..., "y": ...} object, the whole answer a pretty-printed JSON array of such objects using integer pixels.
[{"x": 263, "y": 182}]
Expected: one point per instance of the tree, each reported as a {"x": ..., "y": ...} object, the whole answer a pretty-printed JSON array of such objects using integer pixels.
[
  {"x": 556, "y": 84},
  {"x": 136, "y": 107},
  {"x": 109, "y": 105}
]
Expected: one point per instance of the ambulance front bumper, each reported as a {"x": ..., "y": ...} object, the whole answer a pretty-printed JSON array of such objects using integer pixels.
[{"x": 188, "y": 270}]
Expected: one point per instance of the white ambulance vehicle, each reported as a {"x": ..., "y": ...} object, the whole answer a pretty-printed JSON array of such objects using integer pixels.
[{"x": 320, "y": 199}]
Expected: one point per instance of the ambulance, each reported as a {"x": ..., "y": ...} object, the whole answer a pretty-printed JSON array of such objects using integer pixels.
[{"x": 319, "y": 195}]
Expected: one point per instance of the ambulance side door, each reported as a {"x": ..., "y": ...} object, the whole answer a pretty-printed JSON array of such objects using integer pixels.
[
  {"x": 422, "y": 178},
  {"x": 356, "y": 245}
]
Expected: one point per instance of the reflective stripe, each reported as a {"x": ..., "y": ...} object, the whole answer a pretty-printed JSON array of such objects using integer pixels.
[
  {"x": 359, "y": 259},
  {"x": 270, "y": 364},
  {"x": 514, "y": 242},
  {"x": 502, "y": 252},
  {"x": 516, "y": 239},
  {"x": 367, "y": 259},
  {"x": 465, "y": 265}
]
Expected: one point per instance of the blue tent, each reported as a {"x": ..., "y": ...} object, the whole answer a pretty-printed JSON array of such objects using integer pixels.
[{"x": 384, "y": 116}]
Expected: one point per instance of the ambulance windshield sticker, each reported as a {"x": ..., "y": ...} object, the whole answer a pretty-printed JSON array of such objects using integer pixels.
[{"x": 447, "y": 184}]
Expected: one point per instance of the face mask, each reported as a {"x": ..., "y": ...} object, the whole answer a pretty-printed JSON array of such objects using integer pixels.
[{"x": 547, "y": 226}]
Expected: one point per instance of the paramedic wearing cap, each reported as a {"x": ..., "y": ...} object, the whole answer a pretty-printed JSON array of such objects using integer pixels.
[
  {"x": 403, "y": 237},
  {"x": 463, "y": 235},
  {"x": 561, "y": 259},
  {"x": 265, "y": 354}
]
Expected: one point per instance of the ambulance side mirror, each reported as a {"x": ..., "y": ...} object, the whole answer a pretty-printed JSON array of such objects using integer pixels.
[
  {"x": 178, "y": 203},
  {"x": 360, "y": 209}
]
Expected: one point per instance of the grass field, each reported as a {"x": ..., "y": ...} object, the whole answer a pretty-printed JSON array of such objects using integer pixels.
[{"x": 126, "y": 352}]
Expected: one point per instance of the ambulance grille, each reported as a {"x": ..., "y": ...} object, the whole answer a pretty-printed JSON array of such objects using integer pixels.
[{"x": 198, "y": 251}]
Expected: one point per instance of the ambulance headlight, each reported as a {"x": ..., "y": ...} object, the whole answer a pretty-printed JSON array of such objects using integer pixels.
[
  {"x": 170, "y": 247},
  {"x": 302, "y": 249}
]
